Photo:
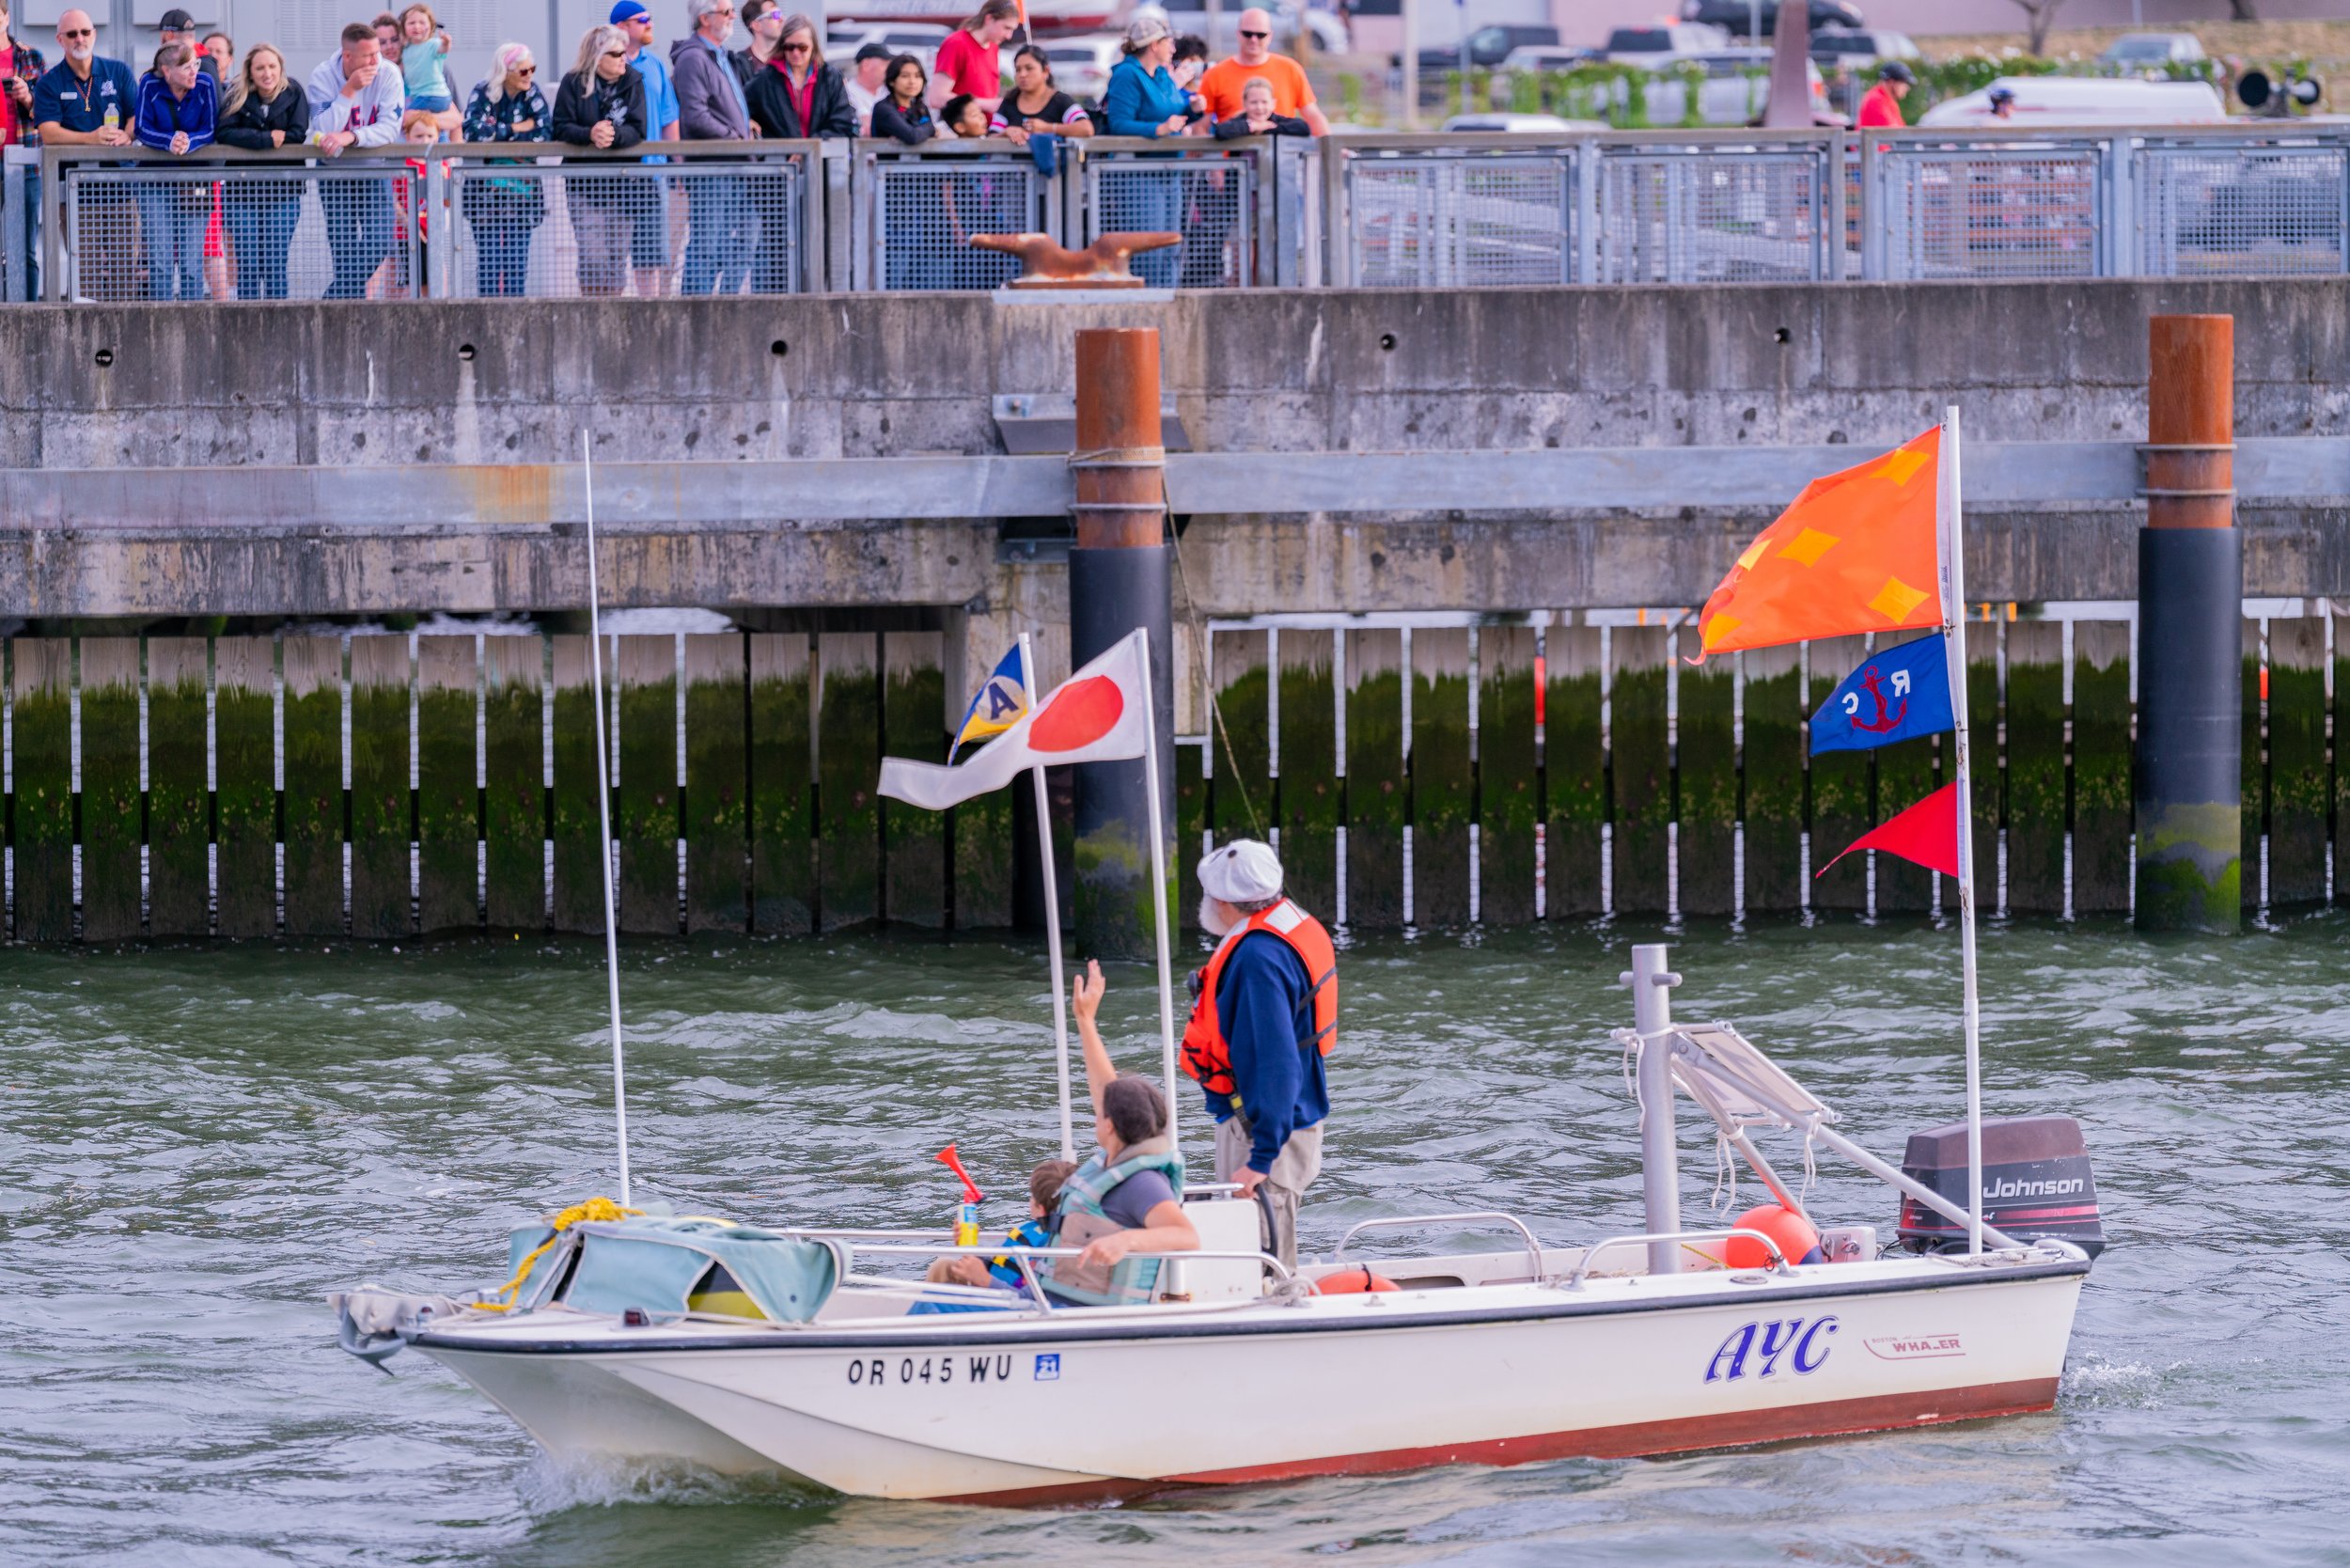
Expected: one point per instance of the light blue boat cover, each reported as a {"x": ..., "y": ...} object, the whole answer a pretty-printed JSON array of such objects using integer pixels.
[{"x": 650, "y": 1263}]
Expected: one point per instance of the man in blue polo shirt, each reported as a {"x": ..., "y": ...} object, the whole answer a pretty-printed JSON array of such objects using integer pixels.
[
  {"x": 649, "y": 246},
  {"x": 87, "y": 102}
]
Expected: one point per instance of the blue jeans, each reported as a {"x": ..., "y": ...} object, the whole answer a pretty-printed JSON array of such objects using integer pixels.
[
  {"x": 1148, "y": 201},
  {"x": 359, "y": 230},
  {"x": 260, "y": 227},
  {"x": 31, "y": 272},
  {"x": 723, "y": 231},
  {"x": 501, "y": 243},
  {"x": 174, "y": 234}
]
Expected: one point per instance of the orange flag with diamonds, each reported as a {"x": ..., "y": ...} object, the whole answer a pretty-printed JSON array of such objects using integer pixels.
[{"x": 1855, "y": 553}]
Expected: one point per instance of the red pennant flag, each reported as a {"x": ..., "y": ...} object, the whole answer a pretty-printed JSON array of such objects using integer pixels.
[{"x": 1926, "y": 834}]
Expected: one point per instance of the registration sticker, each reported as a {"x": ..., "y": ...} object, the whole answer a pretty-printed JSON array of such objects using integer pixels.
[{"x": 1048, "y": 1367}]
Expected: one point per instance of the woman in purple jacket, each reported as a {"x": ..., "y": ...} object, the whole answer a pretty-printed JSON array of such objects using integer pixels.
[{"x": 176, "y": 113}]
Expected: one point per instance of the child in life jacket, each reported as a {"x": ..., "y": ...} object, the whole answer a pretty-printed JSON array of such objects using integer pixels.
[{"x": 1002, "y": 1271}]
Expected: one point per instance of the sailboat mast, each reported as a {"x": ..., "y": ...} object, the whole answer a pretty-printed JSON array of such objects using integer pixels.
[
  {"x": 1052, "y": 913},
  {"x": 1949, "y": 541},
  {"x": 604, "y": 816}
]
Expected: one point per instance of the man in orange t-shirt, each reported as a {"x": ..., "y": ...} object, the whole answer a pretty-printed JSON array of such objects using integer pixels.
[{"x": 1292, "y": 93}]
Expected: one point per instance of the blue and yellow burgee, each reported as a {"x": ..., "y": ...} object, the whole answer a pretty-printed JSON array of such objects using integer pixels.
[
  {"x": 1000, "y": 703},
  {"x": 1897, "y": 693}
]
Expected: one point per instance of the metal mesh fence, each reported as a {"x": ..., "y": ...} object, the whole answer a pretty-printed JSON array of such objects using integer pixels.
[
  {"x": 2024, "y": 211},
  {"x": 1702, "y": 214},
  {"x": 1210, "y": 200},
  {"x": 1469, "y": 220},
  {"x": 553, "y": 229},
  {"x": 265, "y": 232},
  {"x": 2243, "y": 212},
  {"x": 925, "y": 213}
]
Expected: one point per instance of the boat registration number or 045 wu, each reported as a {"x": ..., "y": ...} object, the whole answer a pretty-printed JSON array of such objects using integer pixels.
[{"x": 905, "y": 1372}]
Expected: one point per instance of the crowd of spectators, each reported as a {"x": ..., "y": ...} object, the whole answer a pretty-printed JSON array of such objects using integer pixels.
[{"x": 182, "y": 237}]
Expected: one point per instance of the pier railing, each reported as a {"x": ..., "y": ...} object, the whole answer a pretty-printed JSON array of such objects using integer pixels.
[{"x": 1423, "y": 210}]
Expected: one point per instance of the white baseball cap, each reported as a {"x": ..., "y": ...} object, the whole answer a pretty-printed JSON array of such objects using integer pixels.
[{"x": 1243, "y": 872}]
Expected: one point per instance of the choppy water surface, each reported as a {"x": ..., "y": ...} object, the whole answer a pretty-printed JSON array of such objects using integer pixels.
[{"x": 197, "y": 1144}]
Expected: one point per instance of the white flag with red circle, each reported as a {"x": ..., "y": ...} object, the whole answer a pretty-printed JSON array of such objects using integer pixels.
[{"x": 1096, "y": 716}]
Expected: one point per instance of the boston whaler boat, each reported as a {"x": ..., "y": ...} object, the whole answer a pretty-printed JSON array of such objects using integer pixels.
[
  {"x": 823, "y": 1356},
  {"x": 822, "y": 1370}
]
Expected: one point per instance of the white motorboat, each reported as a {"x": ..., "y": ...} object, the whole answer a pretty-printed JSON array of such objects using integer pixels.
[{"x": 1631, "y": 1345}]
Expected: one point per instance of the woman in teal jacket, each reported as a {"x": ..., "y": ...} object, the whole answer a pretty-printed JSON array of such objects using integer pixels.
[{"x": 1143, "y": 100}]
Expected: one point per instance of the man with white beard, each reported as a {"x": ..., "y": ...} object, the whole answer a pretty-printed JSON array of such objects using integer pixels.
[{"x": 1264, "y": 1016}]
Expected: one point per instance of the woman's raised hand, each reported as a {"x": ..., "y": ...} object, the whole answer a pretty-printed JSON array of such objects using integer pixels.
[{"x": 1085, "y": 992}]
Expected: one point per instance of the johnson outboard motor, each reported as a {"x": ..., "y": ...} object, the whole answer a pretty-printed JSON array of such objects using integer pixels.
[{"x": 2035, "y": 1182}]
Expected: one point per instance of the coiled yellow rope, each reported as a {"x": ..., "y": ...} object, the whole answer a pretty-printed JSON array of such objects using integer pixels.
[{"x": 593, "y": 1208}]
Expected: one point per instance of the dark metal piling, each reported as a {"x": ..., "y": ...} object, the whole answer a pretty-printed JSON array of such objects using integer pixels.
[
  {"x": 1119, "y": 579},
  {"x": 2191, "y": 605}
]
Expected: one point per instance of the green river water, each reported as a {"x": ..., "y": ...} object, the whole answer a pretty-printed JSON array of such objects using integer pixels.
[{"x": 197, "y": 1144}]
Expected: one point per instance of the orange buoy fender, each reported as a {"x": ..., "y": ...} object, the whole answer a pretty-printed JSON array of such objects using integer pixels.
[
  {"x": 1793, "y": 1234},
  {"x": 1358, "y": 1280}
]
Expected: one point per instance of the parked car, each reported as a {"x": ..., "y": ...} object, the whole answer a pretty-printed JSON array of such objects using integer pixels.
[
  {"x": 1860, "y": 49},
  {"x": 1640, "y": 46},
  {"x": 2074, "y": 101},
  {"x": 1520, "y": 124},
  {"x": 2153, "y": 51},
  {"x": 1734, "y": 92},
  {"x": 1487, "y": 48},
  {"x": 1081, "y": 66},
  {"x": 918, "y": 38},
  {"x": 1738, "y": 16},
  {"x": 1539, "y": 57}
]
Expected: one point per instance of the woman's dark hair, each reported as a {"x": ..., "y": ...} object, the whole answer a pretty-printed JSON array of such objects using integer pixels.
[
  {"x": 1031, "y": 52},
  {"x": 950, "y": 113},
  {"x": 897, "y": 64},
  {"x": 1134, "y": 1108},
  {"x": 1191, "y": 46}
]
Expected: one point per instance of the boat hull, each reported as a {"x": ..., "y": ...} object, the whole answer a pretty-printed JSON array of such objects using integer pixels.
[{"x": 1076, "y": 1405}]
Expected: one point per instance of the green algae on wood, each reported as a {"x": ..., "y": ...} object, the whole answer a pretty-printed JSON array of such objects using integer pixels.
[
  {"x": 1241, "y": 765},
  {"x": 1509, "y": 783},
  {"x": 1706, "y": 772},
  {"x": 2252, "y": 797},
  {"x": 514, "y": 790},
  {"x": 1772, "y": 753},
  {"x": 1310, "y": 794},
  {"x": 448, "y": 794},
  {"x": 1444, "y": 789},
  {"x": 1841, "y": 805},
  {"x": 848, "y": 763},
  {"x": 312, "y": 724},
  {"x": 41, "y": 682},
  {"x": 1377, "y": 792},
  {"x": 179, "y": 797},
  {"x": 2100, "y": 767},
  {"x": 381, "y": 815},
  {"x": 2298, "y": 785},
  {"x": 1639, "y": 768},
  {"x": 577, "y": 826},
  {"x": 244, "y": 750},
  {"x": 2340, "y": 804},
  {"x": 112, "y": 803},
  {"x": 914, "y": 726},
  {"x": 2036, "y": 808},
  {"x": 1575, "y": 774},
  {"x": 717, "y": 783},
  {"x": 1986, "y": 774},
  {"x": 645, "y": 808},
  {"x": 783, "y": 855},
  {"x": 1906, "y": 775},
  {"x": 1191, "y": 827}
]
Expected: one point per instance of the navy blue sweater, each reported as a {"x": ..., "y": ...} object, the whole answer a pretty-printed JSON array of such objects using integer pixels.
[{"x": 1265, "y": 1004}]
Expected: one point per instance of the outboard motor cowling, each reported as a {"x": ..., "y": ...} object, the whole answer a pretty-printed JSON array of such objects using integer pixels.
[{"x": 2036, "y": 1182}]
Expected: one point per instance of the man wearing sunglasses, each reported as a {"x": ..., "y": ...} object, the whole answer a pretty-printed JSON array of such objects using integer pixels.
[
  {"x": 1292, "y": 95},
  {"x": 87, "y": 102}
]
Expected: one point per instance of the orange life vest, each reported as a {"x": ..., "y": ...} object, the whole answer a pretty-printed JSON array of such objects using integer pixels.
[{"x": 1207, "y": 1054}]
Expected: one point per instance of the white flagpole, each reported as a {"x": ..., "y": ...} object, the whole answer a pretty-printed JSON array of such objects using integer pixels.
[
  {"x": 603, "y": 815},
  {"x": 1158, "y": 887},
  {"x": 1052, "y": 915},
  {"x": 1949, "y": 542}
]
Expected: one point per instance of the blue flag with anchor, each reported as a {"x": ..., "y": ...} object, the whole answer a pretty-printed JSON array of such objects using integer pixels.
[
  {"x": 999, "y": 703},
  {"x": 1895, "y": 694}
]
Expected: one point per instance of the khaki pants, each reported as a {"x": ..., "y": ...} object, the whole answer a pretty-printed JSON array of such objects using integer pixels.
[{"x": 1294, "y": 1171}]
